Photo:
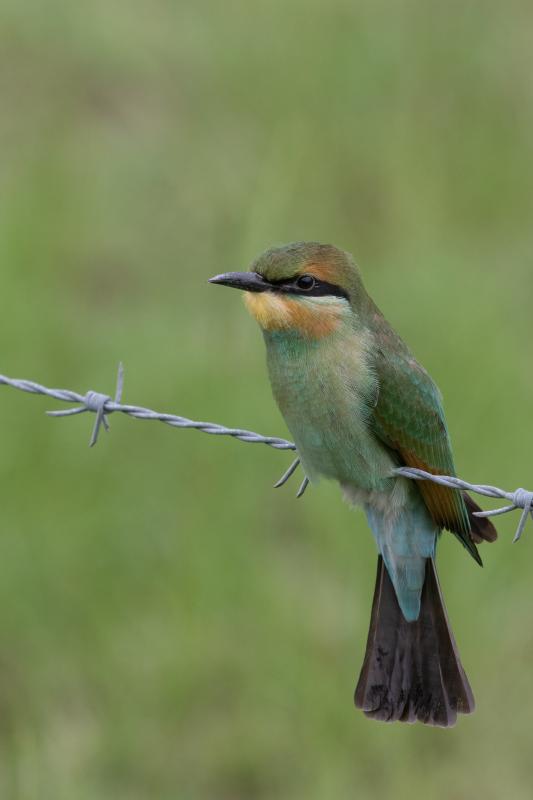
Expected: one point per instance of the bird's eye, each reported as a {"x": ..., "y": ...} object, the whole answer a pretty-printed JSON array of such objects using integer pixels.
[{"x": 306, "y": 282}]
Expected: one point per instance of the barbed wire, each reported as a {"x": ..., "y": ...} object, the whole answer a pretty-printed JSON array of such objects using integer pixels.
[
  {"x": 520, "y": 498},
  {"x": 103, "y": 405}
]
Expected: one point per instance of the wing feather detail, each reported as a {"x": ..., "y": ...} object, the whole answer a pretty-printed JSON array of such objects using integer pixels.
[{"x": 409, "y": 418}]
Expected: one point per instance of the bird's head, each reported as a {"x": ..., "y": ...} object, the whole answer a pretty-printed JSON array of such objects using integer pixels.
[{"x": 305, "y": 288}]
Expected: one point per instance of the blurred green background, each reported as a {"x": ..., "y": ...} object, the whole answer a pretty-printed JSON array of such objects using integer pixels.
[{"x": 171, "y": 627}]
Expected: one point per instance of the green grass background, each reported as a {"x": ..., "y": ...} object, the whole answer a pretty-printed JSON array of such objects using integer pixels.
[{"x": 171, "y": 627}]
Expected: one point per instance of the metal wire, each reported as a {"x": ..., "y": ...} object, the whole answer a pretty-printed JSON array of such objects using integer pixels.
[
  {"x": 102, "y": 405},
  {"x": 520, "y": 498}
]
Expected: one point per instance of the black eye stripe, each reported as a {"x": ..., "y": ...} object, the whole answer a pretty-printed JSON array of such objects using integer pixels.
[
  {"x": 320, "y": 289},
  {"x": 323, "y": 289}
]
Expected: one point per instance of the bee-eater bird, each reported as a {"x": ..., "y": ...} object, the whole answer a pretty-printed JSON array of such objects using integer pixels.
[{"x": 359, "y": 405}]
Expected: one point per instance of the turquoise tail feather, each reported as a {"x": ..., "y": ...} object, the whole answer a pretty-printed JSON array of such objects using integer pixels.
[{"x": 406, "y": 538}]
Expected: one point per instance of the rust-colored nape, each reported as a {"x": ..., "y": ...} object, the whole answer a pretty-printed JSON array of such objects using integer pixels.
[{"x": 322, "y": 270}]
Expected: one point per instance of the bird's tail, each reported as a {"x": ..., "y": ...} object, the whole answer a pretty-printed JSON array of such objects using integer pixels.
[{"x": 412, "y": 671}]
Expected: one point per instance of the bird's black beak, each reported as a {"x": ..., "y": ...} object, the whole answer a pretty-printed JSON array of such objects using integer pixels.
[{"x": 247, "y": 281}]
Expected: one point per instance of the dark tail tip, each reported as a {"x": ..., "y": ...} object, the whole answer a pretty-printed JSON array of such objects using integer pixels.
[{"x": 412, "y": 671}]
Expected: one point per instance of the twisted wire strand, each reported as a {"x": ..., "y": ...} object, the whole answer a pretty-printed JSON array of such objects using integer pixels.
[
  {"x": 520, "y": 498},
  {"x": 102, "y": 405}
]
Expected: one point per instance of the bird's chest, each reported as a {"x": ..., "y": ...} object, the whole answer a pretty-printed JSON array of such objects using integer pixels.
[{"x": 325, "y": 391}]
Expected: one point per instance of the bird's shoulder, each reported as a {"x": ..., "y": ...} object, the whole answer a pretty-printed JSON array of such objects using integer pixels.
[{"x": 408, "y": 400}]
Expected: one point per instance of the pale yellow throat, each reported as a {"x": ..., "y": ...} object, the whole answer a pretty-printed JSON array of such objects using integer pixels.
[{"x": 275, "y": 312}]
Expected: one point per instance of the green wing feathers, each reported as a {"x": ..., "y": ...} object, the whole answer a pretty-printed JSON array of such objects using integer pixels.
[{"x": 409, "y": 418}]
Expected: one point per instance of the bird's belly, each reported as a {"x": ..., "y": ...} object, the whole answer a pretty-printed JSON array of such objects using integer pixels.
[
  {"x": 327, "y": 412},
  {"x": 347, "y": 453}
]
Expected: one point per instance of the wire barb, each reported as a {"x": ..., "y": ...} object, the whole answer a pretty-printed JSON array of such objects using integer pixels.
[
  {"x": 520, "y": 498},
  {"x": 286, "y": 475},
  {"x": 98, "y": 404},
  {"x": 303, "y": 487}
]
